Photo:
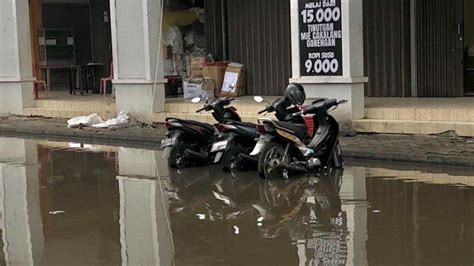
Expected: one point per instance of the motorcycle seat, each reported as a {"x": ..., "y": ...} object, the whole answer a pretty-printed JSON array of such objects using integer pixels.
[
  {"x": 248, "y": 129},
  {"x": 298, "y": 129},
  {"x": 244, "y": 124},
  {"x": 196, "y": 123}
]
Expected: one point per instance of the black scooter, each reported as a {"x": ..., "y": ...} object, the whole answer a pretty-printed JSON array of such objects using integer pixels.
[
  {"x": 189, "y": 142},
  {"x": 238, "y": 139},
  {"x": 285, "y": 147}
]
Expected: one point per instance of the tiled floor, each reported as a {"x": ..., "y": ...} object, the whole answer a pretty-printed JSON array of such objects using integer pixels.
[
  {"x": 382, "y": 115},
  {"x": 421, "y": 103},
  {"x": 62, "y": 104},
  {"x": 418, "y": 116}
]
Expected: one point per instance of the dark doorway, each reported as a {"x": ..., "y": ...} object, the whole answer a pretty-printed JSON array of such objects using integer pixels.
[
  {"x": 415, "y": 48},
  {"x": 387, "y": 48},
  {"x": 439, "y": 48},
  {"x": 468, "y": 48},
  {"x": 89, "y": 22}
]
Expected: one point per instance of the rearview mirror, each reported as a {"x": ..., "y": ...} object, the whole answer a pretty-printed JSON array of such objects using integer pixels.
[
  {"x": 196, "y": 100},
  {"x": 258, "y": 99}
]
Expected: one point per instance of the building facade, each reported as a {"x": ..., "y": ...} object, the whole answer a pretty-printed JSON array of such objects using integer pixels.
[{"x": 336, "y": 48}]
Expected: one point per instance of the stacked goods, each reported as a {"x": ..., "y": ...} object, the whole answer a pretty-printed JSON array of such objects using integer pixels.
[
  {"x": 197, "y": 64},
  {"x": 194, "y": 88},
  {"x": 215, "y": 71},
  {"x": 235, "y": 80},
  {"x": 208, "y": 86}
]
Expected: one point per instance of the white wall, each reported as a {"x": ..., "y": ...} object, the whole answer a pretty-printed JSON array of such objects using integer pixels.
[
  {"x": 16, "y": 69},
  {"x": 350, "y": 85}
]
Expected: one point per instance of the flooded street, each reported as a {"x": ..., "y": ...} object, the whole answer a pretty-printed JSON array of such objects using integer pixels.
[{"x": 73, "y": 204}]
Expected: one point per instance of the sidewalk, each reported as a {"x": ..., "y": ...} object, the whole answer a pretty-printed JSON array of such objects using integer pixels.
[{"x": 434, "y": 150}]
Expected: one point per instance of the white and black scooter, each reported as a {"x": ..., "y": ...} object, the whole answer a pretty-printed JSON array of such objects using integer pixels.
[
  {"x": 283, "y": 148},
  {"x": 238, "y": 139},
  {"x": 188, "y": 142}
]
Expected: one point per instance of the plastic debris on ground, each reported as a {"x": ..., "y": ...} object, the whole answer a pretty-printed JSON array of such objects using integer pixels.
[
  {"x": 95, "y": 121},
  {"x": 122, "y": 120},
  {"x": 84, "y": 121},
  {"x": 56, "y": 212}
]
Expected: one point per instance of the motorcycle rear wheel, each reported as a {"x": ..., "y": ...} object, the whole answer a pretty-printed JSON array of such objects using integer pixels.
[
  {"x": 272, "y": 151},
  {"x": 231, "y": 160},
  {"x": 177, "y": 159}
]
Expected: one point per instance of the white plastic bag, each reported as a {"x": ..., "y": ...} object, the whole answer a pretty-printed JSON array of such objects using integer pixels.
[
  {"x": 122, "y": 120},
  {"x": 85, "y": 121}
]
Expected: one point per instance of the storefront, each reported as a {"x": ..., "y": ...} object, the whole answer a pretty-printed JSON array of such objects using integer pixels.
[
  {"x": 335, "y": 48},
  {"x": 66, "y": 36},
  {"x": 255, "y": 34},
  {"x": 418, "y": 48}
]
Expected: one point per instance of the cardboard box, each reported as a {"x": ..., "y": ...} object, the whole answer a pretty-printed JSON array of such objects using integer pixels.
[
  {"x": 194, "y": 88},
  {"x": 197, "y": 73},
  {"x": 198, "y": 61},
  {"x": 197, "y": 64},
  {"x": 208, "y": 85},
  {"x": 216, "y": 72},
  {"x": 235, "y": 80}
]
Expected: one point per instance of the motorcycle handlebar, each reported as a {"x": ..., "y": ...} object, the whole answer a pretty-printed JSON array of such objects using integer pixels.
[
  {"x": 327, "y": 104},
  {"x": 263, "y": 111},
  {"x": 298, "y": 113},
  {"x": 342, "y": 101}
]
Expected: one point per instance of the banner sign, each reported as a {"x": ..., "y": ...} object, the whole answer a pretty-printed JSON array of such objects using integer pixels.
[{"x": 320, "y": 37}]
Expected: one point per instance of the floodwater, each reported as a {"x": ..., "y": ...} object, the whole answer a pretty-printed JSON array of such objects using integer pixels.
[{"x": 74, "y": 204}]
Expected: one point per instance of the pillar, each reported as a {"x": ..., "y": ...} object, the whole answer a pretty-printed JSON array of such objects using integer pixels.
[
  {"x": 327, "y": 52},
  {"x": 21, "y": 222},
  {"x": 16, "y": 70},
  {"x": 135, "y": 35},
  {"x": 145, "y": 232}
]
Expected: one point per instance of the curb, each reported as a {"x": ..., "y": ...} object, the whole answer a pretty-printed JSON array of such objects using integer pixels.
[
  {"x": 84, "y": 136},
  {"x": 431, "y": 159},
  {"x": 154, "y": 141}
]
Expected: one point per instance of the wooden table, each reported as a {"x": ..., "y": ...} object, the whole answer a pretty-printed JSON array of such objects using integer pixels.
[
  {"x": 71, "y": 75},
  {"x": 90, "y": 70}
]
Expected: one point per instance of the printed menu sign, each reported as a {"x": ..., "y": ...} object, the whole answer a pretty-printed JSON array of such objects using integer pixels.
[{"x": 320, "y": 37}]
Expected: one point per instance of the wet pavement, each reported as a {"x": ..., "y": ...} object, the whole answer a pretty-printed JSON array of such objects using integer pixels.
[{"x": 75, "y": 204}]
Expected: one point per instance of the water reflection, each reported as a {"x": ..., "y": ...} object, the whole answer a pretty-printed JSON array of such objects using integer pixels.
[
  {"x": 145, "y": 232},
  {"x": 69, "y": 204},
  {"x": 21, "y": 221}
]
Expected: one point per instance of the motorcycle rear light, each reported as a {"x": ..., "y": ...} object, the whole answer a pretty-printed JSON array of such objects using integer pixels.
[
  {"x": 261, "y": 129},
  {"x": 309, "y": 121},
  {"x": 225, "y": 128},
  {"x": 170, "y": 125}
]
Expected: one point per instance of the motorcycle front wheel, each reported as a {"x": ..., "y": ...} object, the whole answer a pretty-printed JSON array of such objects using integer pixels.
[
  {"x": 271, "y": 156},
  {"x": 337, "y": 159}
]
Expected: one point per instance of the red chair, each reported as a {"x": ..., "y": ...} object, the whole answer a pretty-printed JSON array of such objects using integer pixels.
[
  {"x": 37, "y": 84},
  {"x": 103, "y": 81}
]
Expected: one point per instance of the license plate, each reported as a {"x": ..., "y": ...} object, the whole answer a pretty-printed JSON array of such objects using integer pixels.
[
  {"x": 168, "y": 142},
  {"x": 219, "y": 146},
  {"x": 167, "y": 153},
  {"x": 218, "y": 157}
]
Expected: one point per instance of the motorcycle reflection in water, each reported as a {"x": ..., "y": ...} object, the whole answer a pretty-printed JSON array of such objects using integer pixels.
[{"x": 307, "y": 208}]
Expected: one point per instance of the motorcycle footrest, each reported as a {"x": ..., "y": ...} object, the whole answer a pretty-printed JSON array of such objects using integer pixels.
[
  {"x": 293, "y": 167},
  {"x": 249, "y": 158}
]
